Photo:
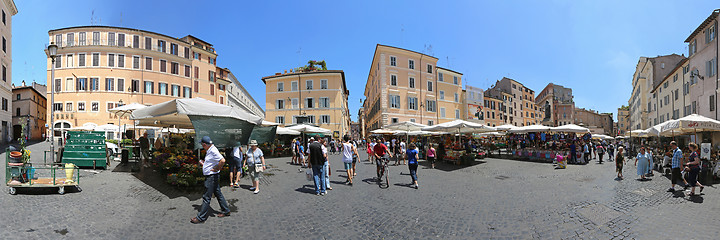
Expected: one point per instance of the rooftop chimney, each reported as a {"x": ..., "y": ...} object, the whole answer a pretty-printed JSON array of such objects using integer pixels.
[{"x": 23, "y": 83}]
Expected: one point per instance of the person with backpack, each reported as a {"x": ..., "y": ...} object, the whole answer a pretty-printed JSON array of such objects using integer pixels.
[{"x": 600, "y": 151}]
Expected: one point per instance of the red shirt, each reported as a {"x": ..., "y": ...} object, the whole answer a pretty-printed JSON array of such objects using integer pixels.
[{"x": 380, "y": 149}]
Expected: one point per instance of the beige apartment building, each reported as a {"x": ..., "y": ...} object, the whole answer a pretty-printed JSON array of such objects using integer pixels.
[
  {"x": 405, "y": 85},
  {"x": 495, "y": 110},
  {"x": 649, "y": 73},
  {"x": 557, "y": 105},
  {"x": 598, "y": 123},
  {"x": 102, "y": 67},
  {"x": 29, "y": 104},
  {"x": 623, "y": 121},
  {"x": 8, "y": 10},
  {"x": 321, "y": 97},
  {"x": 521, "y": 108},
  {"x": 667, "y": 95},
  {"x": 703, "y": 66}
]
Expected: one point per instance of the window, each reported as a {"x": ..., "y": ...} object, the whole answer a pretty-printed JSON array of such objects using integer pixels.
[
  {"x": 440, "y": 77},
  {"x": 457, "y": 113},
  {"x": 81, "y": 106},
  {"x": 58, "y": 107},
  {"x": 455, "y": 80},
  {"x": 394, "y": 120},
  {"x": 187, "y": 92},
  {"x": 187, "y": 71},
  {"x": 187, "y": 53},
  {"x": 309, "y": 84},
  {"x": 710, "y": 34},
  {"x": 135, "y": 85},
  {"x": 17, "y": 96},
  {"x": 96, "y": 59},
  {"x": 411, "y": 64},
  {"x": 411, "y": 82},
  {"x": 212, "y": 89},
  {"x": 163, "y": 65},
  {"x": 58, "y": 39},
  {"x": 3, "y": 17},
  {"x": 293, "y": 86},
  {"x": 70, "y": 39},
  {"x": 430, "y": 106},
  {"x": 58, "y": 87},
  {"x": 280, "y": 104},
  {"x": 676, "y": 94},
  {"x": 161, "y": 45},
  {"x": 429, "y": 86},
  {"x": 412, "y": 103},
  {"x": 429, "y": 68},
  {"x": 111, "y": 105},
  {"x": 442, "y": 112},
  {"x": 712, "y": 103},
  {"x": 311, "y": 119},
  {"x": 120, "y": 85},
  {"x": 82, "y": 39},
  {"x": 111, "y": 39},
  {"x": 81, "y": 84},
  {"x": 711, "y": 67},
  {"x": 96, "y": 38},
  {"x": 174, "y": 49},
  {"x": 121, "y": 40},
  {"x": 196, "y": 55},
  {"x": 121, "y": 61},
  {"x": 294, "y": 102},
  {"x": 70, "y": 61},
  {"x": 174, "y": 68},
  {"x": 280, "y": 86},
  {"x": 323, "y": 84},
  {"x": 68, "y": 107},
  {"x": 280, "y": 119},
  {"x": 393, "y": 80},
  {"x": 148, "y": 63},
  {"x": 197, "y": 73},
  {"x": 109, "y": 84},
  {"x": 324, "y": 102},
  {"x": 394, "y": 101},
  {"x": 692, "y": 48},
  {"x": 431, "y": 122},
  {"x": 111, "y": 60},
  {"x": 393, "y": 61},
  {"x": 148, "y": 87},
  {"x": 442, "y": 95},
  {"x": 69, "y": 84},
  {"x": 175, "y": 90},
  {"x": 309, "y": 103},
  {"x": 197, "y": 86},
  {"x": 81, "y": 59},
  {"x": 94, "y": 106},
  {"x": 457, "y": 98},
  {"x": 324, "y": 119},
  {"x": 94, "y": 84},
  {"x": 211, "y": 76},
  {"x": 58, "y": 61}
]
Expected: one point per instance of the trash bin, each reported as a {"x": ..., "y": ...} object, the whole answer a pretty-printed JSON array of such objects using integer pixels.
[{"x": 125, "y": 156}]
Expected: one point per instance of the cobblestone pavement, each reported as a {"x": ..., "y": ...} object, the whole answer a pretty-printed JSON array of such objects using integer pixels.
[{"x": 492, "y": 199}]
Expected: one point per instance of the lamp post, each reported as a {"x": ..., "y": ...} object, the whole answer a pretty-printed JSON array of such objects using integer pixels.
[
  {"x": 120, "y": 103},
  {"x": 52, "y": 53}
]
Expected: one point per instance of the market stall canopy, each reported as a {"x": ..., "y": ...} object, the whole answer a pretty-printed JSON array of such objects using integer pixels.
[
  {"x": 531, "y": 128},
  {"x": 176, "y": 113},
  {"x": 268, "y": 123},
  {"x": 107, "y": 128},
  {"x": 126, "y": 110},
  {"x": 285, "y": 131},
  {"x": 306, "y": 128},
  {"x": 639, "y": 133},
  {"x": 82, "y": 128},
  {"x": 384, "y": 131},
  {"x": 570, "y": 128},
  {"x": 460, "y": 126},
  {"x": 506, "y": 127},
  {"x": 602, "y": 137},
  {"x": 491, "y": 134},
  {"x": 406, "y": 126},
  {"x": 689, "y": 124},
  {"x": 620, "y": 137}
]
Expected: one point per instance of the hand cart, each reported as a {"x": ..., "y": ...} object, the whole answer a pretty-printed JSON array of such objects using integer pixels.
[{"x": 25, "y": 175}]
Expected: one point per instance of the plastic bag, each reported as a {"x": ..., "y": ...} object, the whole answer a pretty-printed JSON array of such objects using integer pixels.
[{"x": 308, "y": 175}]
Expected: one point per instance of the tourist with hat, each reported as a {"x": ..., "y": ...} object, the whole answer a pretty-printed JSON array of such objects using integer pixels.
[
  {"x": 255, "y": 162},
  {"x": 211, "y": 166}
]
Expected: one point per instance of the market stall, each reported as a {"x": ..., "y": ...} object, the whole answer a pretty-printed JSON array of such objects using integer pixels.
[{"x": 455, "y": 152}]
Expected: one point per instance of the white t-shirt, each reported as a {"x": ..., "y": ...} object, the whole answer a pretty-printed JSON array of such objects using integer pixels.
[
  {"x": 254, "y": 157},
  {"x": 212, "y": 159},
  {"x": 236, "y": 153},
  {"x": 402, "y": 146},
  {"x": 347, "y": 152}
]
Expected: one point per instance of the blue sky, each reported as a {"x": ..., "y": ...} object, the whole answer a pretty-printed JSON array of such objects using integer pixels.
[{"x": 589, "y": 46}]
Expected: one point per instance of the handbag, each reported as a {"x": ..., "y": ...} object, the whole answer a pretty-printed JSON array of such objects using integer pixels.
[{"x": 258, "y": 166}]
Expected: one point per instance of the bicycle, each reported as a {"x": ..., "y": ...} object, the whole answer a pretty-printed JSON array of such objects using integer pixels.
[{"x": 384, "y": 171}]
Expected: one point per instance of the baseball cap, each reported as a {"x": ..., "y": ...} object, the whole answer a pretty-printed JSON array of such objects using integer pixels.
[{"x": 206, "y": 139}]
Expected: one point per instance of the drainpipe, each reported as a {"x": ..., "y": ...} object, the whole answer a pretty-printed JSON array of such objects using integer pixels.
[
  {"x": 716, "y": 68},
  {"x": 419, "y": 103}
]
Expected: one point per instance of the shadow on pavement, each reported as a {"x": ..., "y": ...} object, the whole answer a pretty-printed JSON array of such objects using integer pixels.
[
  {"x": 44, "y": 190},
  {"x": 405, "y": 185},
  {"x": 310, "y": 189},
  {"x": 370, "y": 181},
  {"x": 696, "y": 199},
  {"x": 451, "y": 167},
  {"x": 155, "y": 180}
]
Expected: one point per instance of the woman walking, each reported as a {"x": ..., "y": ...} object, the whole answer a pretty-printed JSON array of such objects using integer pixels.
[
  {"x": 293, "y": 149},
  {"x": 348, "y": 151},
  {"x": 412, "y": 155},
  {"x": 431, "y": 155},
  {"x": 235, "y": 165},
  {"x": 694, "y": 169},
  {"x": 619, "y": 162},
  {"x": 255, "y": 162},
  {"x": 643, "y": 158}
]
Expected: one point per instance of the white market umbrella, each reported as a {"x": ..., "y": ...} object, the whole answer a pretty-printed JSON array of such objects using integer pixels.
[
  {"x": 570, "y": 128},
  {"x": 286, "y": 131},
  {"x": 620, "y": 137},
  {"x": 692, "y": 123},
  {"x": 383, "y": 131},
  {"x": 268, "y": 124},
  {"x": 107, "y": 128},
  {"x": 405, "y": 127},
  {"x": 460, "y": 126},
  {"x": 306, "y": 128},
  {"x": 175, "y": 113},
  {"x": 531, "y": 128},
  {"x": 506, "y": 127},
  {"x": 639, "y": 133},
  {"x": 126, "y": 110}
]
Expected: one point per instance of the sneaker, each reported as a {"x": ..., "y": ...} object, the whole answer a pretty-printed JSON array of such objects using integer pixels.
[
  {"x": 701, "y": 188},
  {"x": 252, "y": 188},
  {"x": 323, "y": 193},
  {"x": 256, "y": 191},
  {"x": 671, "y": 190},
  {"x": 416, "y": 186}
]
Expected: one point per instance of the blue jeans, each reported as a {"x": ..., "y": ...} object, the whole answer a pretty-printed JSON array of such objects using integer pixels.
[
  {"x": 319, "y": 178},
  {"x": 326, "y": 170},
  {"x": 212, "y": 185},
  {"x": 413, "y": 171}
]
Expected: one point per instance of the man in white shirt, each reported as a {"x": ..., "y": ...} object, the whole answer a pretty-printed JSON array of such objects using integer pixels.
[{"x": 211, "y": 165}]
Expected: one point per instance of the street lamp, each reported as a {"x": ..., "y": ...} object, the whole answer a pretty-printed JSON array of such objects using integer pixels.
[
  {"x": 120, "y": 103},
  {"x": 52, "y": 53}
]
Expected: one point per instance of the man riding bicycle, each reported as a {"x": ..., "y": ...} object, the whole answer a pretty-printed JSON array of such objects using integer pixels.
[{"x": 379, "y": 151}]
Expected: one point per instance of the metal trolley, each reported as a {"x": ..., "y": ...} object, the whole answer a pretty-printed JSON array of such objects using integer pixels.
[{"x": 25, "y": 175}]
